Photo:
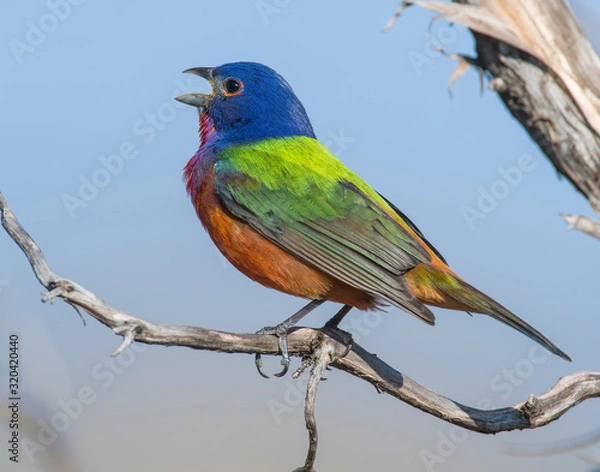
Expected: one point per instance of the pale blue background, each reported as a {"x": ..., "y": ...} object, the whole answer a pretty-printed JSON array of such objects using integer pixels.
[{"x": 82, "y": 93}]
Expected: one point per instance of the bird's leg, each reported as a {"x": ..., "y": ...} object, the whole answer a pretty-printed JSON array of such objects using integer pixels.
[
  {"x": 340, "y": 335},
  {"x": 338, "y": 317},
  {"x": 281, "y": 331}
]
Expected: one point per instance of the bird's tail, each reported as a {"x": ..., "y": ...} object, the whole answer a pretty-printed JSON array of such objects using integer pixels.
[{"x": 458, "y": 294}]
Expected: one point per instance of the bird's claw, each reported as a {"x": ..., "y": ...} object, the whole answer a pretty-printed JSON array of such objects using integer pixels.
[
  {"x": 285, "y": 355},
  {"x": 259, "y": 365},
  {"x": 281, "y": 332}
]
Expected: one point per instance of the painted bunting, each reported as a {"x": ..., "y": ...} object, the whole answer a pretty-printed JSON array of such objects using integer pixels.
[{"x": 290, "y": 215}]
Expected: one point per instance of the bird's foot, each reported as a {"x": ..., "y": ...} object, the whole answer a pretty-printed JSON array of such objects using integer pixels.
[{"x": 280, "y": 331}]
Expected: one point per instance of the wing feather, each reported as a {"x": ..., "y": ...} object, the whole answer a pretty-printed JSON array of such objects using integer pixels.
[{"x": 330, "y": 224}]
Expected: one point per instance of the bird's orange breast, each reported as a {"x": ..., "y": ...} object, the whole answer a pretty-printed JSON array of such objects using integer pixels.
[{"x": 263, "y": 261}]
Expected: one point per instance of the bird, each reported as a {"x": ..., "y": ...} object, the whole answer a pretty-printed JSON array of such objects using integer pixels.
[{"x": 287, "y": 213}]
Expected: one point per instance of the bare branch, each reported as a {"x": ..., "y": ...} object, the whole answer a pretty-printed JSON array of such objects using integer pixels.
[
  {"x": 328, "y": 346},
  {"x": 322, "y": 357},
  {"x": 128, "y": 333},
  {"x": 532, "y": 413},
  {"x": 582, "y": 223}
]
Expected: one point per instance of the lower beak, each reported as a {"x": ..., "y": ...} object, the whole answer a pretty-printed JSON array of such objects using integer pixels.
[{"x": 198, "y": 100}]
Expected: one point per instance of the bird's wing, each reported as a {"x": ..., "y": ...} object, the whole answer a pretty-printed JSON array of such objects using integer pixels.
[
  {"x": 415, "y": 228},
  {"x": 298, "y": 195}
]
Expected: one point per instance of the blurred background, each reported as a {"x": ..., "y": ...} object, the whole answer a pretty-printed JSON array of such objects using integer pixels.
[{"x": 93, "y": 150}]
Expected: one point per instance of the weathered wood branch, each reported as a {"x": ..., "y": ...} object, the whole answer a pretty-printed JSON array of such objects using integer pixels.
[
  {"x": 545, "y": 70},
  {"x": 320, "y": 347},
  {"x": 582, "y": 223}
]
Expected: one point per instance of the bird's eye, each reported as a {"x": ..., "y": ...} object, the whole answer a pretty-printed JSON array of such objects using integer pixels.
[{"x": 232, "y": 87}]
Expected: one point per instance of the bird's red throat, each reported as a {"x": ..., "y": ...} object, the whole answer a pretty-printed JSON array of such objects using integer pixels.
[
  {"x": 193, "y": 167},
  {"x": 206, "y": 128}
]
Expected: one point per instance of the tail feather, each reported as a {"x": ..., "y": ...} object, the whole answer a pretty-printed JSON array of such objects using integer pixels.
[{"x": 479, "y": 302}]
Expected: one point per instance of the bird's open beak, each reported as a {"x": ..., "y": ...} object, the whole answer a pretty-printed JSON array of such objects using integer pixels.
[{"x": 198, "y": 100}]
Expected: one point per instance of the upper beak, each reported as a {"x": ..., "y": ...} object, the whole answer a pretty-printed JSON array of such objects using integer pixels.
[{"x": 198, "y": 100}]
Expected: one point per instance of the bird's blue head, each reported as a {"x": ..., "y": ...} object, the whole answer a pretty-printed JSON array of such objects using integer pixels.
[{"x": 249, "y": 102}]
